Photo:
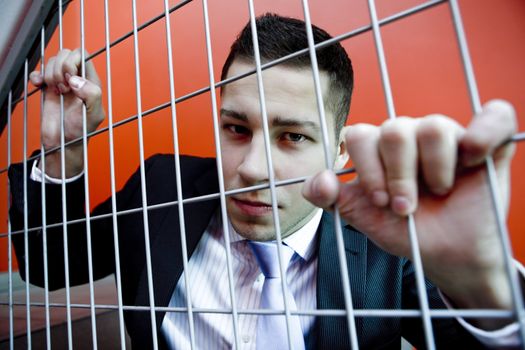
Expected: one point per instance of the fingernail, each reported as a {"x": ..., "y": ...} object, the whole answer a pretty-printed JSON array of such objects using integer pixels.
[
  {"x": 380, "y": 198},
  {"x": 401, "y": 205},
  {"x": 68, "y": 76},
  {"x": 62, "y": 88},
  {"x": 76, "y": 82}
]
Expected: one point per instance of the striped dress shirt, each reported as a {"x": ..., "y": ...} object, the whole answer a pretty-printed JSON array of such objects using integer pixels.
[{"x": 209, "y": 288}]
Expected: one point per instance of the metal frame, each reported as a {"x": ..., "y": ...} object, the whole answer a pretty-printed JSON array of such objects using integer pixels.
[{"x": 44, "y": 17}]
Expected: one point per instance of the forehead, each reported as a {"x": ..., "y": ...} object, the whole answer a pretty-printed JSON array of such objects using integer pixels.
[{"x": 289, "y": 91}]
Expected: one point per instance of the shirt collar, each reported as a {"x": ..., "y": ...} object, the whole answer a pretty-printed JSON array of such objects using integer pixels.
[{"x": 301, "y": 241}]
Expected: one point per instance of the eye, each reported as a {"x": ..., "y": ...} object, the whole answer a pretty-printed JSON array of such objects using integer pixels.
[
  {"x": 236, "y": 130},
  {"x": 293, "y": 137}
]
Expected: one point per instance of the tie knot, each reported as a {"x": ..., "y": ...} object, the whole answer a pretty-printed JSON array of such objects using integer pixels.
[{"x": 267, "y": 256}]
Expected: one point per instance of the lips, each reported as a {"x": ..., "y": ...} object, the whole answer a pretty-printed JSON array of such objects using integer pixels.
[{"x": 252, "y": 208}]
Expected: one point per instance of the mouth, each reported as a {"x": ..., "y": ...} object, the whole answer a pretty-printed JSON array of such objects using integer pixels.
[{"x": 252, "y": 208}]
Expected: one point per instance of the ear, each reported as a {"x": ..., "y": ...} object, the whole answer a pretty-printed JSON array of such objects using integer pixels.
[{"x": 341, "y": 158}]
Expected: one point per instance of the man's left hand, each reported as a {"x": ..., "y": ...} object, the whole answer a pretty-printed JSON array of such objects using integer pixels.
[{"x": 433, "y": 168}]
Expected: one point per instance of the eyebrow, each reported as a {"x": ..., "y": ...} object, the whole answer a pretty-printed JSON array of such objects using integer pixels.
[
  {"x": 277, "y": 121},
  {"x": 235, "y": 115},
  {"x": 280, "y": 121}
]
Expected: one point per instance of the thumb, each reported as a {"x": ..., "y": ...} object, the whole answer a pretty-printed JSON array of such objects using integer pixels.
[{"x": 322, "y": 189}]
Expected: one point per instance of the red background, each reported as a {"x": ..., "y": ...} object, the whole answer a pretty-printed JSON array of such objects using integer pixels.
[{"x": 421, "y": 52}]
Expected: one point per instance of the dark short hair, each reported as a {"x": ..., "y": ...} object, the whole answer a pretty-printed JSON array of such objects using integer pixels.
[{"x": 280, "y": 36}]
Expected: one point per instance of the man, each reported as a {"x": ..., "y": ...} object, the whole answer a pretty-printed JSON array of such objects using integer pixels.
[{"x": 430, "y": 164}]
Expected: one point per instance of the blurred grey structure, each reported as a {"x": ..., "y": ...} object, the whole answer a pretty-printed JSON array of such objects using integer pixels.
[{"x": 20, "y": 25}]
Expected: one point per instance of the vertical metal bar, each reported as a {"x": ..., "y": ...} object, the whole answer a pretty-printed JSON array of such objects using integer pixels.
[
  {"x": 87, "y": 205},
  {"x": 112, "y": 180},
  {"x": 347, "y": 293},
  {"x": 491, "y": 174},
  {"x": 269, "y": 164},
  {"x": 26, "y": 221},
  {"x": 224, "y": 214},
  {"x": 43, "y": 195},
  {"x": 9, "y": 249},
  {"x": 143, "y": 179},
  {"x": 64, "y": 201},
  {"x": 180, "y": 206},
  {"x": 414, "y": 245}
]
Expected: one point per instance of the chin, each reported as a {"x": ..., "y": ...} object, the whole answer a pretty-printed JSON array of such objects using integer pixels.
[{"x": 254, "y": 233}]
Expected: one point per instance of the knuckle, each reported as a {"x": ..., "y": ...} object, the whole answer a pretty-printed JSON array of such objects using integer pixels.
[
  {"x": 393, "y": 132},
  {"x": 504, "y": 112},
  {"x": 361, "y": 131},
  {"x": 434, "y": 127}
]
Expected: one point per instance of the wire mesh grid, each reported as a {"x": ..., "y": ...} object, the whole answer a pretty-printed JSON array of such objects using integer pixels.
[{"x": 153, "y": 308}]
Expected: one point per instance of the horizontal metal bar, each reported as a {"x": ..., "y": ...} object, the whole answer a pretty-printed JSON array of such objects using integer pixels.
[
  {"x": 122, "y": 38},
  {"x": 516, "y": 138},
  {"x": 441, "y": 313},
  {"x": 207, "y": 197}
]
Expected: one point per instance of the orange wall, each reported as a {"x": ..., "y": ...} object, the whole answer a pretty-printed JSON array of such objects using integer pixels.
[{"x": 421, "y": 51}]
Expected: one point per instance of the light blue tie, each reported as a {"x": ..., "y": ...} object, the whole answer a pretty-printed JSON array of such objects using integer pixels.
[{"x": 271, "y": 329}]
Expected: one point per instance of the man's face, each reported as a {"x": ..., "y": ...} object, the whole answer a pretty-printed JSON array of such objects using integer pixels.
[{"x": 295, "y": 142}]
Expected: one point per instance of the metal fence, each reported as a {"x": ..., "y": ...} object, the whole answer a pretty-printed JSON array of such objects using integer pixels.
[{"x": 350, "y": 312}]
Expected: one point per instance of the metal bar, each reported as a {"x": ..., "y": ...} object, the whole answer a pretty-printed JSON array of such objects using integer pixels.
[
  {"x": 64, "y": 201},
  {"x": 87, "y": 205},
  {"x": 143, "y": 180},
  {"x": 269, "y": 164},
  {"x": 491, "y": 172},
  {"x": 26, "y": 220},
  {"x": 220, "y": 175},
  {"x": 116, "y": 245},
  {"x": 202, "y": 198},
  {"x": 387, "y": 20},
  {"x": 347, "y": 293},
  {"x": 176, "y": 155},
  {"x": 43, "y": 198},
  {"x": 21, "y": 43},
  {"x": 388, "y": 313},
  {"x": 189, "y": 200},
  {"x": 267, "y": 65},
  {"x": 9, "y": 249},
  {"x": 139, "y": 28},
  {"x": 414, "y": 245}
]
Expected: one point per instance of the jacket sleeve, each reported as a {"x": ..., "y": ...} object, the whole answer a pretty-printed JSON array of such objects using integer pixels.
[
  {"x": 448, "y": 333},
  {"x": 101, "y": 229}
]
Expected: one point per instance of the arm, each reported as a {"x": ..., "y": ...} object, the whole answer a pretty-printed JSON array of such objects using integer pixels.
[
  {"x": 61, "y": 78},
  {"x": 102, "y": 242},
  {"x": 433, "y": 168}
]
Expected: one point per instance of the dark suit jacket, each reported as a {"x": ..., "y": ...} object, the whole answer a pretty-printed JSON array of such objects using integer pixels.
[{"x": 378, "y": 280}]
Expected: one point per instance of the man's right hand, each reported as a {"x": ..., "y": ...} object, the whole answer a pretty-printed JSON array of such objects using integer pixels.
[{"x": 62, "y": 77}]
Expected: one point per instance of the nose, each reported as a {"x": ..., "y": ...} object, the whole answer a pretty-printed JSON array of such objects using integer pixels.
[{"x": 253, "y": 169}]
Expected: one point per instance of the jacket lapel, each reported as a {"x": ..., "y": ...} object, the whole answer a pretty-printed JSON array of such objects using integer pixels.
[
  {"x": 329, "y": 286},
  {"x": 166, "y": 250}
]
